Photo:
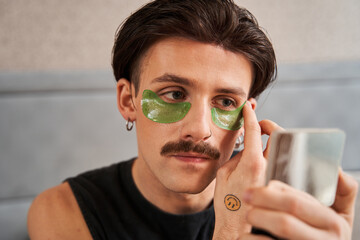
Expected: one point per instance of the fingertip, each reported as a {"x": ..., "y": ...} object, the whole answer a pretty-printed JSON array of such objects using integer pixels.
[
  {"x": 249, "y": 113},
  {"x": 248, "y": 103},
  {"x": 347, "y": 184},
  {"x": 252, "y": 137}
]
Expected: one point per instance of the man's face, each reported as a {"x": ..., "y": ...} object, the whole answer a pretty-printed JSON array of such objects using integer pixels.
[{"x": 207, "y": 76}]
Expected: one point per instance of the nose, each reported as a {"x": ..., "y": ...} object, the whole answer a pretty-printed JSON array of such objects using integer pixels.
[{"x": 197, "y": 123}]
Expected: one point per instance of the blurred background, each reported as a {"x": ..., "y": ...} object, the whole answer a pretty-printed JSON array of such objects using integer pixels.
[{"x": 58, "y": 114}]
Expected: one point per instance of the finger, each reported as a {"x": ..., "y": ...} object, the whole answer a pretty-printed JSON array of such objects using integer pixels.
[
  {"x": 345, "y": 196},
  {"x": 294, "y": 203},
  {"x": 268, "y": 127},
  {"x": 252, "y": 156},
  {"x": 282, "y": 225},
  {"x": 252, "y": 138},
  {"x": 286, "y": 187}
]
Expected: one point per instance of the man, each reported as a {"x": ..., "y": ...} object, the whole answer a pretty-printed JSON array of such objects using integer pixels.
[{"x": 187, "y": 71}]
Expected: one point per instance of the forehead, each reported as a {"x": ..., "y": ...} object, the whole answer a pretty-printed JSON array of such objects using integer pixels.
[{"x": 202, "y": 63}]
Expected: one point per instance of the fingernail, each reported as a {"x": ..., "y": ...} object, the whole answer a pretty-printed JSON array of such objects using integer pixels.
[
  {"x": 249, "y": 104},
  {"x": 247, "y": 196}
]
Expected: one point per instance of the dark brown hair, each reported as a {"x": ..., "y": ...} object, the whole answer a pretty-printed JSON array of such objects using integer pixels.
[{"x": 219, "y": 22}]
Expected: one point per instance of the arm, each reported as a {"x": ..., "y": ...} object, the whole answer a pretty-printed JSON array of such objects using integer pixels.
[
  {"x": 276, "y": 208},
  {"x": 55, "y": 214},
  {"x": 246, "y": 169}
]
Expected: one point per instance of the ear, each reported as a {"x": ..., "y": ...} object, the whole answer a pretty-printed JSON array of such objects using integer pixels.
[
  {"x": 124, "y": 100},
  {"x": 253, "y": 103}
]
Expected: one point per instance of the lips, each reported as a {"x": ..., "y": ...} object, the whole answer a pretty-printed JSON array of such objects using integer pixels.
[{"x": 191, "y": 157}]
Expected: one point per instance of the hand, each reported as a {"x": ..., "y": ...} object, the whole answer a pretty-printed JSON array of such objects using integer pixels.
[
  {"x": 293, "y": 214},
  {"x": 246, "y": 169}
]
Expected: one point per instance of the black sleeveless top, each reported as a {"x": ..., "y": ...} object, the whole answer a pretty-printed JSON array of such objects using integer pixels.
[{"x": 113, "y": 208}]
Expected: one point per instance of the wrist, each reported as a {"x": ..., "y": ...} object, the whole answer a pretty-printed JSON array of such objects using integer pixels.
[{"x": 230, "y": 231}]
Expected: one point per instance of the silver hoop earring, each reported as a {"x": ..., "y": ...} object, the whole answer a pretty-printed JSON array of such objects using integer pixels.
[
  {"x": 239, "y": 141},
  {"x": 129, "y": 124}
]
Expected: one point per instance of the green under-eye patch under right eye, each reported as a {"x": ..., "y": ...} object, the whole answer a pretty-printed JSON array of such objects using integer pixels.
[
  {"x": 157, "y": 110},
  {"x": 229, "y": 120}
]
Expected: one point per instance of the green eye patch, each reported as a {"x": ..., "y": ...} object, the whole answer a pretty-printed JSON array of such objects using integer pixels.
[
  {"x": 229, "y": 120},
  {"x": 157, "y": 110}
]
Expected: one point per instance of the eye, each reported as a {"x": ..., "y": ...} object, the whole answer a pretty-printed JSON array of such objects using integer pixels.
[
  {"x": 174, "y": 95},
  {"x": 225, "y": 103}
]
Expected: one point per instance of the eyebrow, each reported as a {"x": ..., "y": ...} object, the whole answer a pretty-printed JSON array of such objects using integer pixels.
[
  {"x": 236, "y": 91},
  {"x": 185, "y": 81},
  {"x": 173, "y": 78}
]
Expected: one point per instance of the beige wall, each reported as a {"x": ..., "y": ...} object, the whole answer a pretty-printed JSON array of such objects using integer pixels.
[
  {"x": 66, "y": 34},
  {"x": 59, "y": 117},
  {"x": 43, "y": 35},
  {"x": 310, "y": 30}
]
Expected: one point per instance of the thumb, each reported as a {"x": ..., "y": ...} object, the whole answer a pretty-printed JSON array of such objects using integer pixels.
[{"x": 345, "y": 196}]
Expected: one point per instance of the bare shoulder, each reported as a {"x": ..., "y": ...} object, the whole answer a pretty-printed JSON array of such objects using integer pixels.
[{"x": 55, "y": 214}]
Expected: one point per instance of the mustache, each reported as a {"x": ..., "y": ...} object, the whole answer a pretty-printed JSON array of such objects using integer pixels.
[{"x": 190, "y": 146}]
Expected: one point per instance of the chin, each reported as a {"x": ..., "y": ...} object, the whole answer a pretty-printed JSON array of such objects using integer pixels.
[{"x": 188, "y": 186}]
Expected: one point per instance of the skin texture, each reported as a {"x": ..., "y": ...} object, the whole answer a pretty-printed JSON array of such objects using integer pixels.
[
  {"x": 55, "y": 214},
  {"x": 182, "y": 182},
  {"x": 171, "y": 184}
]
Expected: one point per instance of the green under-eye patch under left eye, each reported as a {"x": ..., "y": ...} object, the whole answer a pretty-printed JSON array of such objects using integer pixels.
[
  {"x": 157, "y": 110},
  {"x": 229, "y": 120}
]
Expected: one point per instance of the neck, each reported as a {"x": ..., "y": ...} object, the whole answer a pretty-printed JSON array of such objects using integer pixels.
[{"x": 165, "y": 199}]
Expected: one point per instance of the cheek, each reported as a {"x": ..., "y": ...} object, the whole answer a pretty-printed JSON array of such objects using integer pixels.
[
  {"x": 226, "y": 142},
  {"x": 151, "y": 134}
]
